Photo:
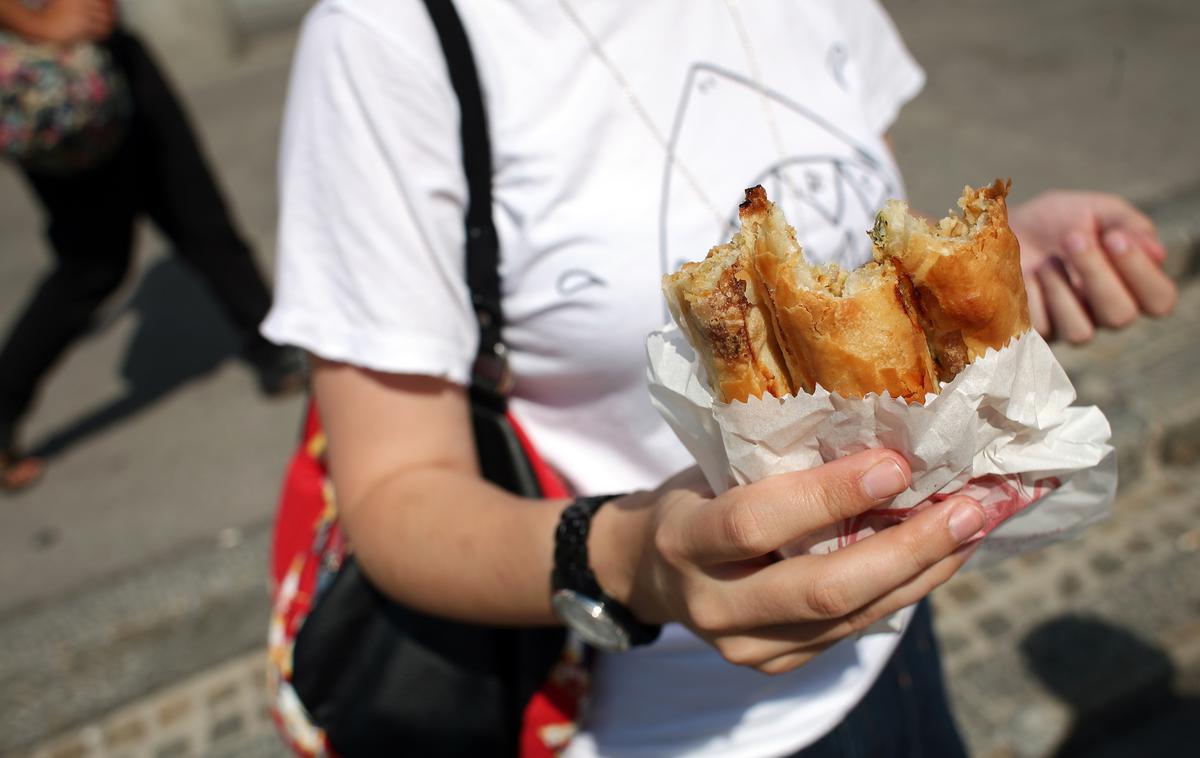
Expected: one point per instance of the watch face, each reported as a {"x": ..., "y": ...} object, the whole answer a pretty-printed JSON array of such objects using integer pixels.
[{"x": 589, "y": 619}]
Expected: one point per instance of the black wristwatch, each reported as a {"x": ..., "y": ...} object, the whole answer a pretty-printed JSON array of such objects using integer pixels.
[{"x": 577, "y": 599}]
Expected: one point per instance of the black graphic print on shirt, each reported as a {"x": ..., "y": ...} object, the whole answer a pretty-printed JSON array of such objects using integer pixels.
[{"x": 829, "y": 184}]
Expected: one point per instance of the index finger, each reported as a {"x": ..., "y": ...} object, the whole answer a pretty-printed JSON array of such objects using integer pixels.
[
  {"x": 1151, "y": 245},
  {"x": 1115, "y": 212},
  {"x": 1154, "y": 291},
  {"x": 759, "y": 518},
  {"x": 814, "y": 587},
  {"x": 1111, "y": 304}
]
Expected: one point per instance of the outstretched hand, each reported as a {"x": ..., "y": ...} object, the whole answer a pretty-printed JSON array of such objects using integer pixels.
[{"x": 1090, "y": 260}]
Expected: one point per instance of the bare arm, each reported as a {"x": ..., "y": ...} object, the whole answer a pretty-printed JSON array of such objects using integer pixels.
[
  {"x": 15, "y": 17},
  {"x": 423, "y": 523},
  {"x": 434, "y": 535},
  {"x": 61, "y": 21}
]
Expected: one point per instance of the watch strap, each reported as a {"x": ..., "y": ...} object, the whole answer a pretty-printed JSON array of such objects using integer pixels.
[{"x": 573, "y": 571}]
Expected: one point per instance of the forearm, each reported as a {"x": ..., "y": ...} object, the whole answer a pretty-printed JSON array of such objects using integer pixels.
[
  {"x": 17, "y": 18},
  {"x": 451, "y": 544},
  {"x": 426, "y": 527}
]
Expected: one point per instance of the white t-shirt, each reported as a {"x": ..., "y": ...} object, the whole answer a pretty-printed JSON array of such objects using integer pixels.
[{"x": 592, "y": 206}]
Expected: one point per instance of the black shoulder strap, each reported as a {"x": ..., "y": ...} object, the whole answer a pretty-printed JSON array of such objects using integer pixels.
[{"x": 491, "y": 375}]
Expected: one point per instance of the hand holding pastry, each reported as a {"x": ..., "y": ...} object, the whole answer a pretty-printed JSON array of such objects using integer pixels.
[
  {"x": 926, "y": 351},
  {"x": 710, "y": 562}
]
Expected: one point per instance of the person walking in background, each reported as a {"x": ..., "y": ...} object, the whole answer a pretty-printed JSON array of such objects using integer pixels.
[{"x": 157, "y": 170}]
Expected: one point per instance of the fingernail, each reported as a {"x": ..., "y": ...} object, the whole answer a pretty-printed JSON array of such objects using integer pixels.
[
  {"x": 1116, "y": 243},
  {"x": 884, "y": 479},
  {"x": 966, "y": 520},
  {"x": 1076, "y": 243}
]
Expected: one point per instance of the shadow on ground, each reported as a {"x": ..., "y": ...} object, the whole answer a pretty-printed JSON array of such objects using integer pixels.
[
  {"x": 1078, "y": 659},
  {"x": 181, "y": 335}
]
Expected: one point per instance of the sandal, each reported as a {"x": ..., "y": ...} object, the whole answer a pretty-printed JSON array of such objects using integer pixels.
[{"x": 19, "y": 472}]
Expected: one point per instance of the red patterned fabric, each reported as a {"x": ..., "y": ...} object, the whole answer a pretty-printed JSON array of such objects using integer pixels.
[{"x": 307, "y": 547}]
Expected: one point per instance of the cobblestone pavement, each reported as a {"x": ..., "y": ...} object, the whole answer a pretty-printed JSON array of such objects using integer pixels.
[
  {"x": 135, "y": 638},
  {"x": 221, "y": 713},
  {"x": 1082, "y": 640}
]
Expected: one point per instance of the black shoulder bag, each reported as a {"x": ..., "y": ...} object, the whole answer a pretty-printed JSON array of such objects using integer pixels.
[{"x": 385, "y": 680}]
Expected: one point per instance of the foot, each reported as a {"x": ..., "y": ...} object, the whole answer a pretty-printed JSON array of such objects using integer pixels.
[
  {"x": 282, "y": 370},
  {"x": 19, "y": 472}
]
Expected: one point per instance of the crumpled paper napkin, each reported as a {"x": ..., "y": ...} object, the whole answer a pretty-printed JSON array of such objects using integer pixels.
[{"x": 1003, "y": 431}]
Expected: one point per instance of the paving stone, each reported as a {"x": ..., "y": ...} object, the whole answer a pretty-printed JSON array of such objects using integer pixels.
[
  {"x": 257, "y": 677},
  {"x": 174, "y": 710},
  {"x": 179, "y": 748},
  {"x": 1037, "y": 727},
  {"x": 1069, "y": 584},
  {"x": 1106, "y": 563},
  {"x": 952, "y": 643},
  {"x": 227, "y": 728},
  {"x": 1171, "y": 528},
  {"x": 125, "y": 733},
  {"x": 262, "y": 745},
  {"x": 222, "y": 694},
  {"x": 997, "y": 574},
  {"x": 75, "y": 750},
  {"x": 1181, "y": 444},
  {"x": 1188, "y": 542},
  {"x": 963, "y": 589},
  {"x": 1030, "y": 602},
  {"x": 995, "y": 624},
  {"x": 1032, "y": 560},
  {"x": 1138, "y": 543}
]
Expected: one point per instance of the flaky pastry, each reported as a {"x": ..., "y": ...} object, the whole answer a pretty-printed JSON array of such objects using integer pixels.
[{"x": 763, "y": 320}]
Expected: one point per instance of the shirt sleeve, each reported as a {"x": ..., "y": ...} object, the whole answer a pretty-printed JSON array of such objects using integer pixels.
[
  {"x": 370, "y": 267},
  {"x": 890, "y": 76}
]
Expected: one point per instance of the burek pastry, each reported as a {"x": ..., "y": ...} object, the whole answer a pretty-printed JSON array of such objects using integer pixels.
[
  {"x": 965, "y": 272},
  {"x": 719, "y": 305},
  {"x": 853, "y": 333}
]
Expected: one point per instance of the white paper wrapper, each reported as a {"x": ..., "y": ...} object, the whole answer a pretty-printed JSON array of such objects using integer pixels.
[{"x": 1003, "y": 431}]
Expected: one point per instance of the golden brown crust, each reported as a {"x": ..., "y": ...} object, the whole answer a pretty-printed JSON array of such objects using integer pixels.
[
  {"x": 966, "y": 274},
  {"x": 764, "y": 320},
  {"x": 760, "y": 220},
  {"x": 717, "y": 304},
  {"x": 853, "y": 334}
]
